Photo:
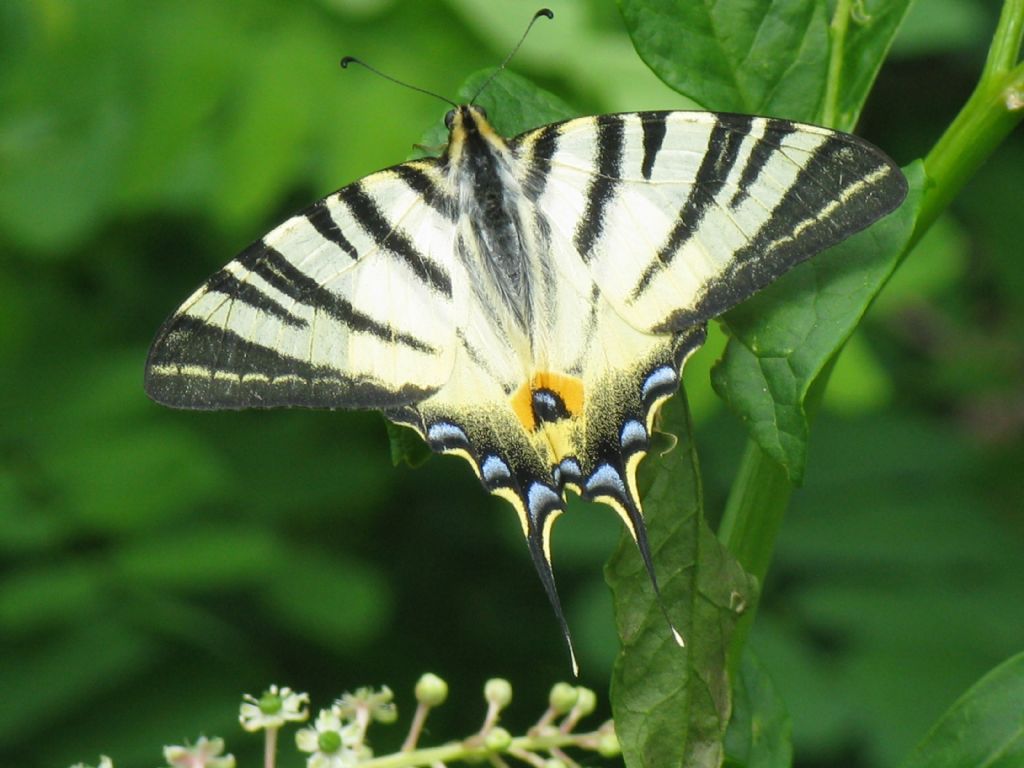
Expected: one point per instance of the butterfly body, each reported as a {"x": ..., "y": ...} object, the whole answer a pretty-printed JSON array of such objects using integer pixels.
[{"x": 528, "y": 303}]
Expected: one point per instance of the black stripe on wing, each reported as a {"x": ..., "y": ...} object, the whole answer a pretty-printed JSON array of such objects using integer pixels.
[
  {"x": 383, "y": 232},
  {"x": 542, "y": 149},
  {"x": 610, "y": 141},
  {"x": 727, "y": 136},
  {"x": 845, "y": 186},
  {"x": 193, "y": 364},
  {"x": 234, "y": 289},
  {"x": 654, "y": 129},
  {"x": 273, "y": 267},
  {"x": 319, "y": 215},
  {"x": 421, "y": 182},
  {"x": 774, "y": 133}
]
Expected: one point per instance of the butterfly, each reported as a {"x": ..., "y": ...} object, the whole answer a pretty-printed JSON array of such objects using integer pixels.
[{"x": 525, "y": 303}]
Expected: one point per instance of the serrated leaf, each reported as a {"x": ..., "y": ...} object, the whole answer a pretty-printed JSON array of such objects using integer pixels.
[
  {"x": 785, "y": 336},
  {"x": 759, "y": 734},
  {"x": 983, "y": 728},
  {"x": 758, "y": 56},
  {"x": 672, "y": 704}
]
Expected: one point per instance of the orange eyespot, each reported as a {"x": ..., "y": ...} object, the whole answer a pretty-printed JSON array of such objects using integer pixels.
[{"x": 547, "y": 397}]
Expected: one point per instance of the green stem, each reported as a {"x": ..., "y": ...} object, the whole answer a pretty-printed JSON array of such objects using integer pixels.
[
  {"x": 751, "y": 521},
  {"x": 994, "y": 109},
  {"x": 473, "y": 751},
  {"x": 837, "y": 43},
  {"x": 1005, "y": 49},
  {"x": 270, "y": 747}
]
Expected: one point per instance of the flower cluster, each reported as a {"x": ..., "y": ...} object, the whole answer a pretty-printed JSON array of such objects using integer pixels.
[{"x": 337, "y": 737}]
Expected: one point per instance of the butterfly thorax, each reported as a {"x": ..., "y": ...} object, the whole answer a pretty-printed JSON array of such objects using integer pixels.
[{"x": 490, "y": 229}]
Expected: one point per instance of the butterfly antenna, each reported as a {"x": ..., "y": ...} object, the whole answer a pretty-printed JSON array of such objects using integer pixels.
[
  {"x": 546, "y": 13},
  {"x": 353, "y": 60}
]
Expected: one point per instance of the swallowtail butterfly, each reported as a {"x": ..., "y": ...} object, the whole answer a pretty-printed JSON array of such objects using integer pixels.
[{"x": 526, "y": 303}]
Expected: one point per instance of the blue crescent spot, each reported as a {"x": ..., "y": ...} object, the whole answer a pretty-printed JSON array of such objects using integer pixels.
[
  {"x": 569, "y": 470},
  {"x": 632, "y": 432},
  {"x": 539, "y": 498},
  {"x": 658, "y": 378},
  {"x": 606, "y": 477},
  {"x": 494, "y": 470},
  {"x": 443, "y": 432}
]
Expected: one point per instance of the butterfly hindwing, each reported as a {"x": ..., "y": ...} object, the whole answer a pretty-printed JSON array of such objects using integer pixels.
[{"x": 347, "y": 304}]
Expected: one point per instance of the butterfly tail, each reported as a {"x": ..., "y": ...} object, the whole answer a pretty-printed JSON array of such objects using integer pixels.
[
  {"x": 538, "y": 538},
  {"x": 639, "y": 531},
  {"x": 547, "y": 578}
]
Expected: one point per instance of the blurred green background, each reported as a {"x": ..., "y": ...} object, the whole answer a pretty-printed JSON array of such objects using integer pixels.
[{"x": 157, "y": 564}]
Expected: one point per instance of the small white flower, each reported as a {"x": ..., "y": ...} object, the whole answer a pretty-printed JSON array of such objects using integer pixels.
[
  {"x": 376, "y": 705},
  {"x": 205, "y": 753},
  {"x": 333, "y": 742},
  {"x": 273, "y": 709},
  {"x": 105, "y": 762}
]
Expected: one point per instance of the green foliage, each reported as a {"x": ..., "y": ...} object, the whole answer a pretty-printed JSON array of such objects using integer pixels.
[
  {"x": 763, "y": 57},
  {"x": 759, "y": 731},
  {"x": 785, "y": 337},
  {"x": 156, "y": 564},
  {"x": 982, "y": 727},
  {"x": 672, "y": 704},
  {"x": 777, "y": 58},
  {"x": 785, "y": 341}
]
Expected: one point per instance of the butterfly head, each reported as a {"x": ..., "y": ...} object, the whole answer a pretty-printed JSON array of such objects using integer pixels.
[{"x": 468, "y": 126}]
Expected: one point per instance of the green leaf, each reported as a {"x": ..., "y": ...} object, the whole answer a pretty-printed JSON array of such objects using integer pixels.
[
  {"x": 868, "y": 36},
  {"x": 759, "y": 734},
  {"x": 760, "y": 56},
  {"x": 983, "y": 728},
  {"x": 513, "y": 105},
  {"x": 874, "y": 556},
  {"x": 672, "y": 704},
  {"x": 406, "y": 445},
  {"x": 785, "y": 336}
]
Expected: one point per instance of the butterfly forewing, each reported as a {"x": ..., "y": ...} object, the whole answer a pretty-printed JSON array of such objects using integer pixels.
[
  {"x": 682, "y": 215},
  {"x": 348, "y": 304}
]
